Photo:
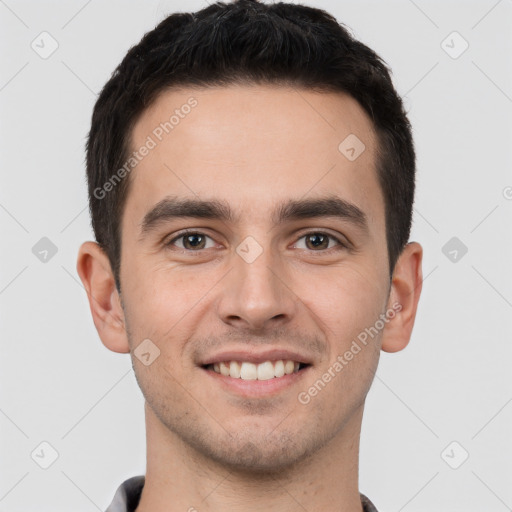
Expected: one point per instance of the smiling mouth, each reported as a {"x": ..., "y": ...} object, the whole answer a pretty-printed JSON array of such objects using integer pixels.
[{"x": 250, "y": 371}]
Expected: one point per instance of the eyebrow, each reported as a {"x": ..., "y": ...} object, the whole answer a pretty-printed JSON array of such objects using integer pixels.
[{"x": 171, "y": 208}]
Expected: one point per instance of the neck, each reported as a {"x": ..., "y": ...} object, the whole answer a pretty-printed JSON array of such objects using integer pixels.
[{"x": 179, "y": 478}]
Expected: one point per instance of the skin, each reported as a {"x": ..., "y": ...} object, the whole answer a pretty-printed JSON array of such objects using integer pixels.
[{"x": 253, "y": 147}]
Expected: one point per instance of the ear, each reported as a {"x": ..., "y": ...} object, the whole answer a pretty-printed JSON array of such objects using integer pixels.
[
  {"x": 94, "y": 269},
  {"x": 403, "y": 298}
]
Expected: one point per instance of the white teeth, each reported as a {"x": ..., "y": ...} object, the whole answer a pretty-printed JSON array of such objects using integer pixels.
[
  {"x": 250, "y": 371},
  {"x": 265, "y": 371},
  {"x": 234, "y": 370},
  {"x": 279, "y": 369},
  {"x": 224, "y": 369}
]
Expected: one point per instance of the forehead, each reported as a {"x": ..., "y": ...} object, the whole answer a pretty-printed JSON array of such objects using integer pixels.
[{"x": 254, "y": 146}]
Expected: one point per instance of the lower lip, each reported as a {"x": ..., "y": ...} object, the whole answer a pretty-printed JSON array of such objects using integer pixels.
[{"x": 256, "y": 388}]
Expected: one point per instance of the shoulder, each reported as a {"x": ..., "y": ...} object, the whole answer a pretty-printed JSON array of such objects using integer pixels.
[
  {"x": 368, "y": 506},
  {"x": 127, "y": 495}
]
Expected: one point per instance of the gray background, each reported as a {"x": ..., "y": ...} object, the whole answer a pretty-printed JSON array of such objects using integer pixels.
[{"x": 452, "y": 383}]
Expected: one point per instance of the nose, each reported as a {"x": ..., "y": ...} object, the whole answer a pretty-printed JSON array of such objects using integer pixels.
[{"x": 257, "y": 294}]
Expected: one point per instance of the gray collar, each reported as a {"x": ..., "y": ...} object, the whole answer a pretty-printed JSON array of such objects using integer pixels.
[{"x": 127, "y": 497}]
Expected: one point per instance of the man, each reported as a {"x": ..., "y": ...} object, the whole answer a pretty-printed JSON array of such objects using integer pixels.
[{"x": 251, "y": 181}]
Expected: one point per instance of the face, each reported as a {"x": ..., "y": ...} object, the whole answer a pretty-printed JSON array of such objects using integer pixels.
[{"x": 287, "y": 260}]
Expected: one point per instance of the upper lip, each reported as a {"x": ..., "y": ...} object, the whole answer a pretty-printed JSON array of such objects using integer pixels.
[{"x": 255, "y": 357}]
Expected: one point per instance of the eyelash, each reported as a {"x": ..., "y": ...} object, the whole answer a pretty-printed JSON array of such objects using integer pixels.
[{"x": 341, "y": 245}]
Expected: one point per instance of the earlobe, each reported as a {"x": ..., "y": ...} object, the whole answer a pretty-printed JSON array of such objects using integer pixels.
[
  {"x": 94, "y": 269},
  {"x": 404, "y": 296}
]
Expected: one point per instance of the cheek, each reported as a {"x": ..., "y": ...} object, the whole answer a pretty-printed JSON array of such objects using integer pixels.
[
  {"x": 163, "y": 300},
  {"x": 346, "y": 301},
  {"x": 347, "y": 309}
]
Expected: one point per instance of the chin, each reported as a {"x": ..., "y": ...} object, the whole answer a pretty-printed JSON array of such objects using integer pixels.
[{"x": 257, "y": 454}]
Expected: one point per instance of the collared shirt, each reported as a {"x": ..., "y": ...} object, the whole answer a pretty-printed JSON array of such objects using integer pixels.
[{"x": 128, "y": 494}]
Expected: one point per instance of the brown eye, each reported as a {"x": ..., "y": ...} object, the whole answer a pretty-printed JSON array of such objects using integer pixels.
[
  {"x": 191, "y": 241},
  {"x": 318, "y": 241},
  {"x": 195, "y": 241}
]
